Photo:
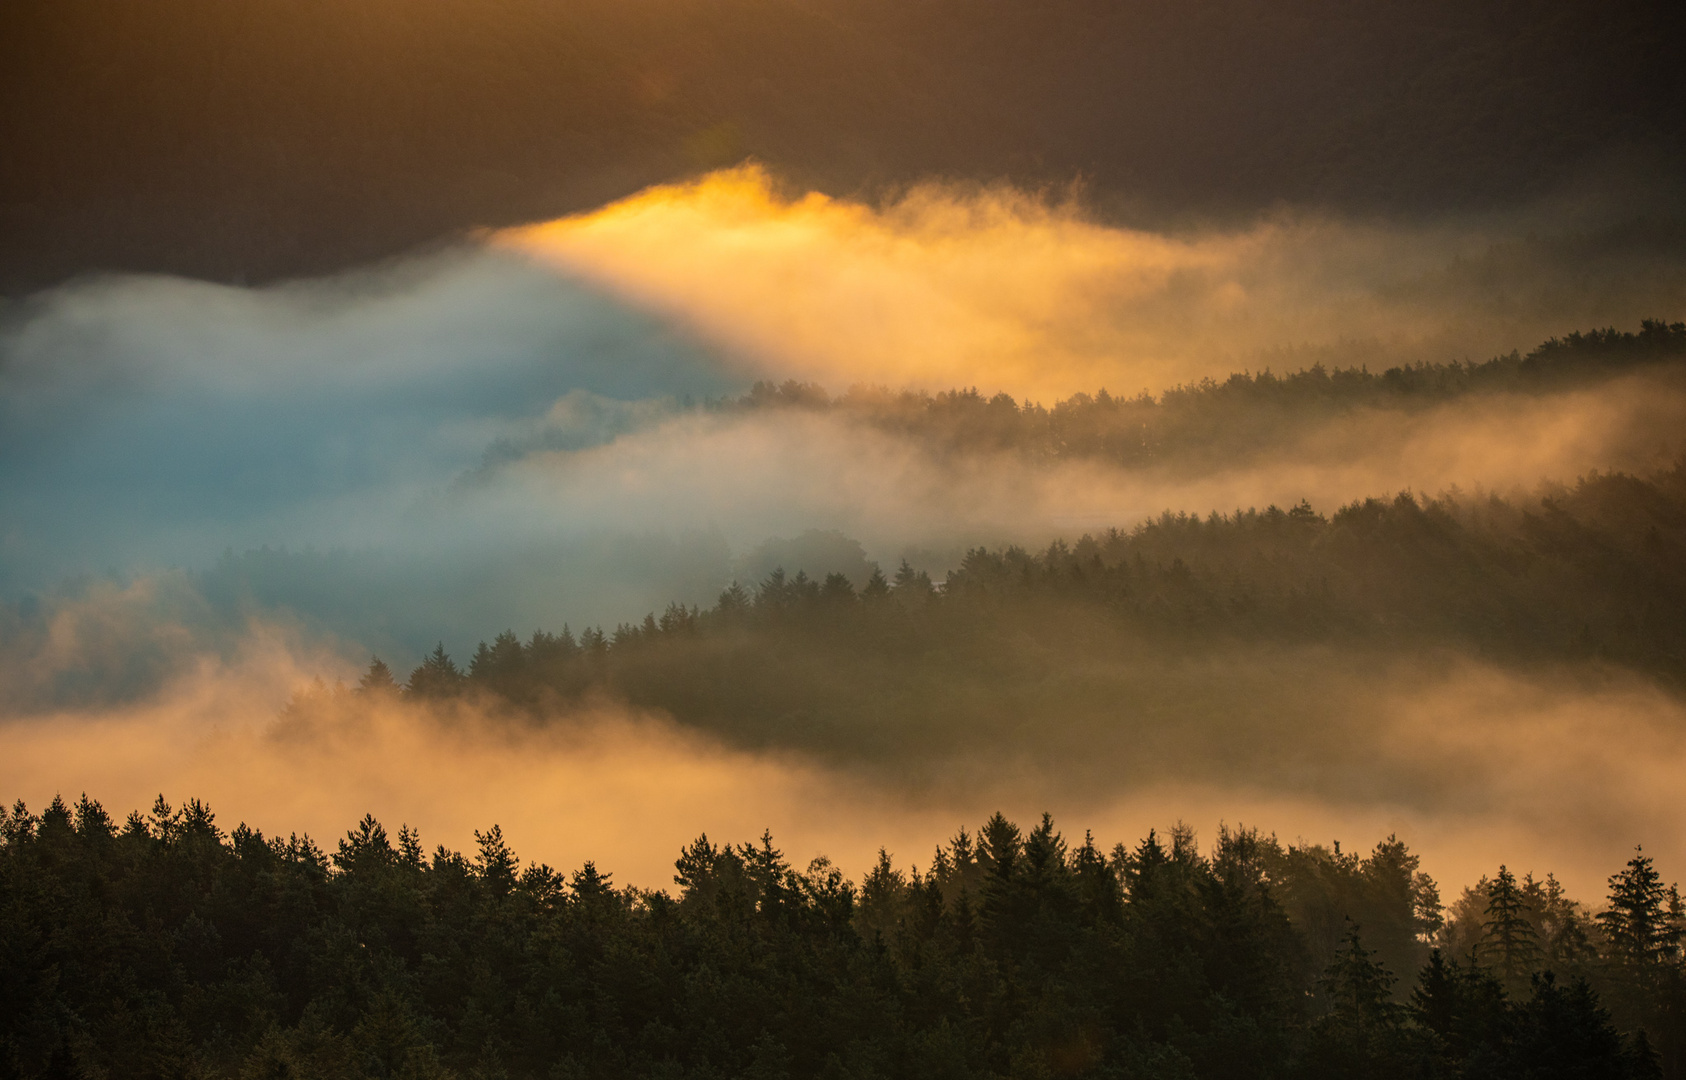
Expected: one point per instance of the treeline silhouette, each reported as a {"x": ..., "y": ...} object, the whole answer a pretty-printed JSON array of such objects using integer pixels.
[
  {"x": 1211, "y": 422},
  {"x": 161, "y": 946},
  {"x": 1090, "y": 631}
]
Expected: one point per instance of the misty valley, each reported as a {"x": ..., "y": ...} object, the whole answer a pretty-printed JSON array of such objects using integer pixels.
[
  {"x": 1159, "y": 633},
  {"x": 842, "y": 540},
  {"x": 1206, "y": 648},
  {"x": 1339, "y": 656}
]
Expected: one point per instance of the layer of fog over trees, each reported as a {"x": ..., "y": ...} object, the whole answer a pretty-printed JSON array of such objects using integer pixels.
[
  {"x": 539, "y": 532},
  {"x": 1058, "y": 642},
  {"x": 1438, "y": 653},
  {"x": 854, "y": 661},
  {"x": 1198, "y": 428},
  {"x": 722, "y": 505},
  {"x": 289, "y": 137},
  {"x": 1264, "y": 648}
]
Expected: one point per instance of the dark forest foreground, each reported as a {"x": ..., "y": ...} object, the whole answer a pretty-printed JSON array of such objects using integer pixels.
[{"x": 164, "y": 947}]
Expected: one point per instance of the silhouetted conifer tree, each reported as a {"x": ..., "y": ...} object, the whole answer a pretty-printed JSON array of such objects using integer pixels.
[
  {"x": 378, "y": 679},
  {"x": 437, "y": 676},
  {"x": 1637, "y": 923},
  {"x": 1510, "y": 942}
]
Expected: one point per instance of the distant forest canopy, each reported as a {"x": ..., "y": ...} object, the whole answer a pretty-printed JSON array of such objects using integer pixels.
[
  {"x": 1594, "y": 574},
  {"x": 1212, "y": 420},
  {"x": 163, "y": 947}
]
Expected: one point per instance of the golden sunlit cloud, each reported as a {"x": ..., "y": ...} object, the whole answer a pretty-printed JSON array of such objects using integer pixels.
[{"x": 1006, "y": 291}]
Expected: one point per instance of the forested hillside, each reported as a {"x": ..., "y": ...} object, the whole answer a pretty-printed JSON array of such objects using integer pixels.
[
  {"x": 162, "y": 946},
  {"x": 1088, "y": 631},
  {"x": 165, "y": 946},
  {"x": 1211, "y": 422}
]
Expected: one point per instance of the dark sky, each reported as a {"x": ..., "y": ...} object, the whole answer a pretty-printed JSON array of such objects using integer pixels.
[{"x": 266, "y": 138}]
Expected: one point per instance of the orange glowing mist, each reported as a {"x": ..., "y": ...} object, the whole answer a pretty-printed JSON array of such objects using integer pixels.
[
  {"x": 1005, "y": 291},
  {"x": 1553, "y": 773}
]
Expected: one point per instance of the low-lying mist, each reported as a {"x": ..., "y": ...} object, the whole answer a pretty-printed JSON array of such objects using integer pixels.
[
  {"x": 1470, "y": 763},
  {"x": 215, "y": 494},
  {"x": 471, "y": 440},
  {"x": 675, "y": 507}
]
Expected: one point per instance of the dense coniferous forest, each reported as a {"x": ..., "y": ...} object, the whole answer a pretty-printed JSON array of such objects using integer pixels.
[
  {"x": 1520, "y": 576},
  {"x": 1211, "y": 422},
  {"x": 1594, "y": 573},
  {"x": 162, "y": 946}
]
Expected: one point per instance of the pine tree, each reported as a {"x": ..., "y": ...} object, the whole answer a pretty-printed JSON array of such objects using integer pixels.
[
  {"x": 912, "y": 584},
  {"x": 1144, "y": 865},
  {"x": 500, "y": 664},
  {"x": 999, "y": 844},
  {"x": 1465, "y": 1007},
  {"x": 1508, "y": 933},
  {"x": 1637, "y": 924},
  {"x": 1359, "y": 990},
  {"x": 365, "y": 847},
  {"x": 378, "y": 679},
  {"x": 883, "y": 899},
  {"x": 1566, "y": 939},
  {"x": 437, "y": 676},
  {"x": 1361, "y": 1033},
  {"x": 774, "y": 590},
  {"x": 837, "y": 587},
  {"x": 734, "y": 599},
  {"x": 496, "y": 863},
  {"x": 593, "y": 888}
]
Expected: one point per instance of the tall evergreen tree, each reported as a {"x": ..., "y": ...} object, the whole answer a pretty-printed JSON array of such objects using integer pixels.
[
  {"x": 378, "y": 679},
  {"x": 1508, "y": 934},
  {"x": 1637, "y": 925},
  {"x": 437, "y": 676},
  {"x": 1362, "y": 1034}
]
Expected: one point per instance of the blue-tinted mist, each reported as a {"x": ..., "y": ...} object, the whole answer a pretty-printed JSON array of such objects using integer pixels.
[{"x": 276, "y": 444}]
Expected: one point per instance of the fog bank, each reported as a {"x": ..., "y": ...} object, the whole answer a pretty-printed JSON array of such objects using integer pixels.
[
  {"x": 1012, "y": 291},
  {"x": 1470, "y": 764}
]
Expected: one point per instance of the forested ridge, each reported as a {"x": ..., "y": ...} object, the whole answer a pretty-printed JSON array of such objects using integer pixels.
[
  {"x": 162, "y": 946},
  {"x": 1593, "y": 574},
  {"x": 1211, "y": 422}
]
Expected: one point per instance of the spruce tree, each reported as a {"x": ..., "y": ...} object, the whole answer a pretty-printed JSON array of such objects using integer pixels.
[
  {"x": 1637, "y": 924},
  {"x": 378, "y": 679},
  {"x": 1512, "y": 943},
  {"x": 437, "y": 676},
  {"x": 1361, "y": 1035},
  {"x": 1566, "y": 939}
]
